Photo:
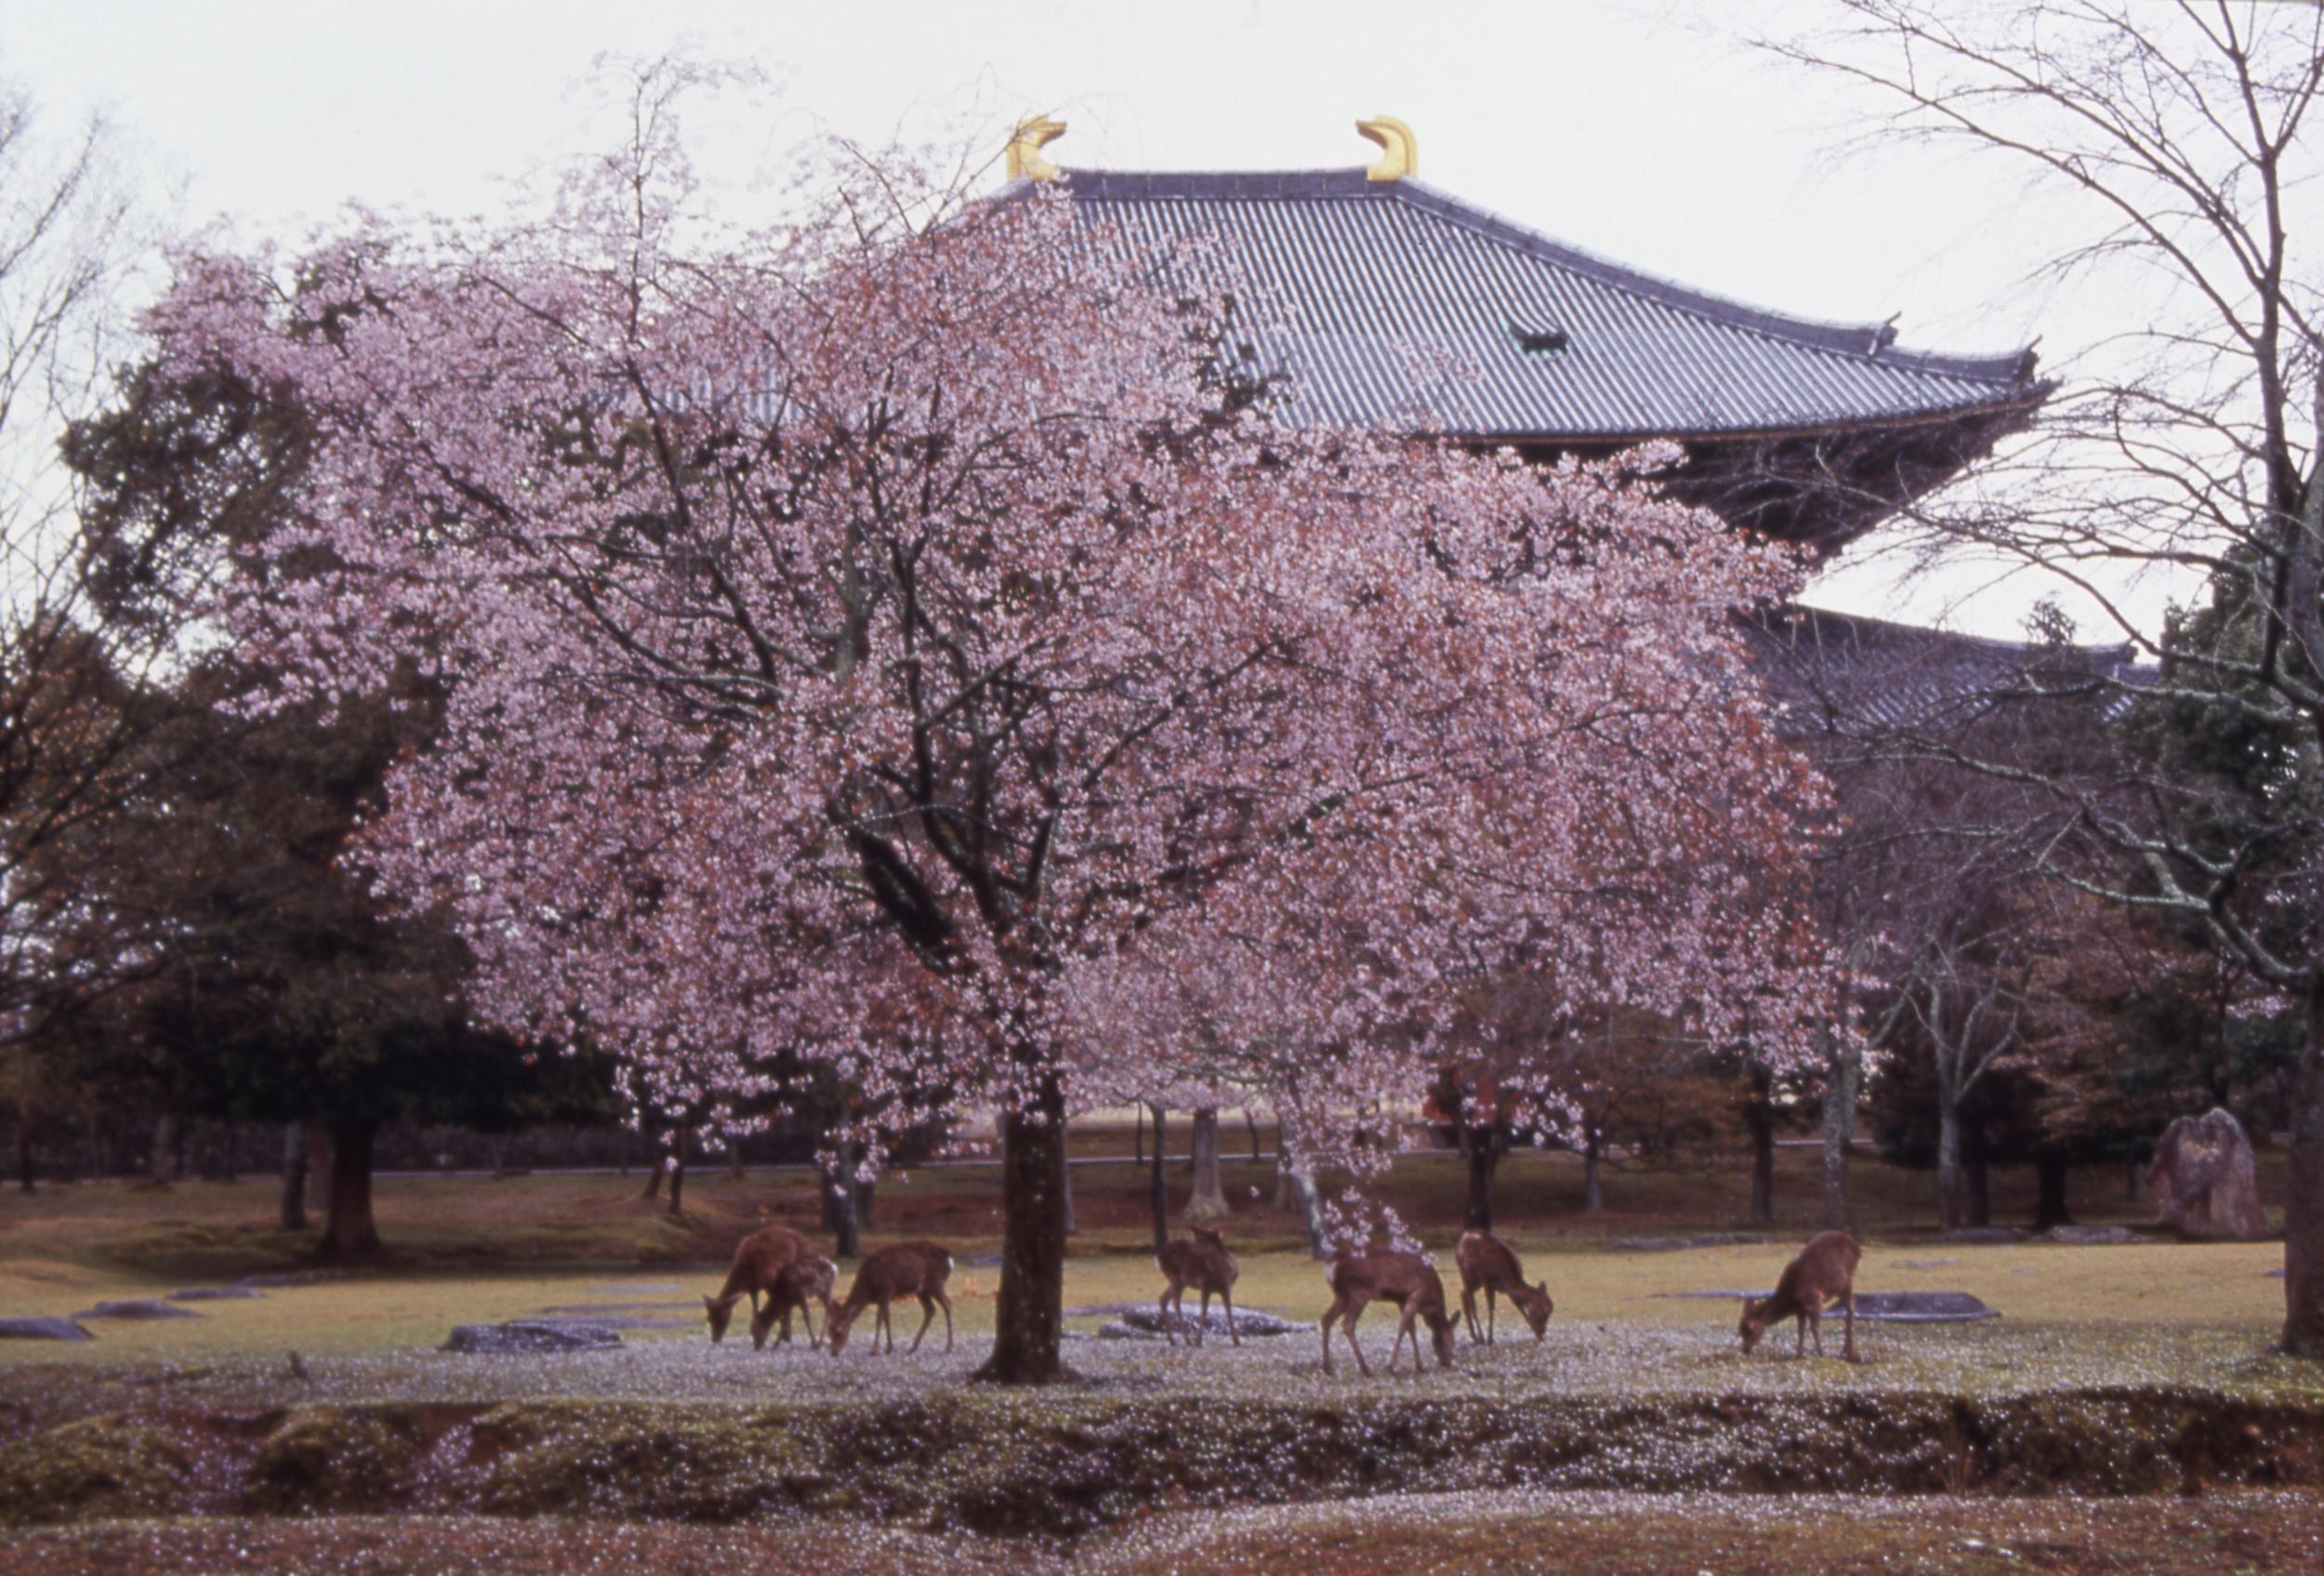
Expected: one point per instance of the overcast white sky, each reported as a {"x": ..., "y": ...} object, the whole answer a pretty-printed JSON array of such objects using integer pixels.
[{"x": 1622, "y": 125}]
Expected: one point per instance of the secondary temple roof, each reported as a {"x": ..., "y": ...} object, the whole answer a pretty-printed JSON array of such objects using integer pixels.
[{"x": 1389, "y": 301}]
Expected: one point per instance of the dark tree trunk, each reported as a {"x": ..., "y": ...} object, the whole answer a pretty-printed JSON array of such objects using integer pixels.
[
  {"x": 1158, "y": 1188},
  {"x": 842, "y": 1213},
  {"x": 2304, "y": 1198},
  {"x": 293, "y": 1176},
  {"x": 653, "y": 1188},
  {"x": 1592, "y": 1172},
  {"x": 1761, "y": 1112},
  {"x": 2049, "y": 1207},
  {"x": 2133, "y": 1179},
  {"x": 1027, "y": 1315},
  {"x": 1073, "y": 1227},
  {"x": 1978, "y": 1178},
  {"x": 165, "y": 1142},
  {"x": 497, "y": 1150},
  {"x": 319, "y": 1168},
  {"x": 1251, "y": 1125},
  {"x": 1484, "y": 1158},
  {"x": 350, "y": 1232},
  {"x": 1207, "y": 1199}
]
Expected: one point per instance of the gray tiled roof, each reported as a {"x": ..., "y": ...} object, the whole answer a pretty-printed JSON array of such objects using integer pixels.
[
  {"x": 1398, "y": 304},
  {"x": 1846, "y": 676}
]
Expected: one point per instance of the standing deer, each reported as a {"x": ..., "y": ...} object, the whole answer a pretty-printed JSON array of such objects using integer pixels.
[
  {"x": 1200, "y": 1261},
  {"x": 758, "y": 1258},
  {"x": 1824, "y": 1272},
  {"x": 802, "y": 1283},
  {"x": 1488, "y": 1262},
  {"x": 907, "y": 1269},
  {"x": 1402, "y": 1278}
]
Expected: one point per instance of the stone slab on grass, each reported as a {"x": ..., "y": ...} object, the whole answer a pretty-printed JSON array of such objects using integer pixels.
[
  {"x": 1144, "y": 1324},
  {"x": 1884, "y": 1307},
  {"x": 1985, "y": 1234},
  {"x": 216, "y": 1294},
  {"x": 2090, "y": 1236},
  {"x": 527, "y": 1337},
  {"x": 1673, "y": 1244},
  {"x": 42, "y": 1330},
  {"x": 138, "y": 1308}
]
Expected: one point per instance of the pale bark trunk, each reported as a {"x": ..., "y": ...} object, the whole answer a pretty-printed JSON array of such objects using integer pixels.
[
  {"x": 1948, "y": 1177},
  {"x": 1157, "y": 1187},
  {"x": 1843, "y": 1081},
  {"x": 1311, "y": 1213},
  {"x": 1208, "y": 1199},
  {"x": 319, "y": 1168},
  {"x": 1593, "y": 1173}
]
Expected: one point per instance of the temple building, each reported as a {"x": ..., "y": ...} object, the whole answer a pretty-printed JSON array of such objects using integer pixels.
[{"x": 1389, "y": 302}]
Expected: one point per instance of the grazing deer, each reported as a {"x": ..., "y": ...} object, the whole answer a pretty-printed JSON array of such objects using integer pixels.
[
  {"x": 907, "y": 1269},
  {"x": 758, "y": 1258},
  {"x": 1824, "y": 1272},
  {"x": 802, "y": 1283},
  {"x": 1402, "y": 1278},
  {"x": 1200, "y": 1261},
  {"x": 1486, "y": 1261}
]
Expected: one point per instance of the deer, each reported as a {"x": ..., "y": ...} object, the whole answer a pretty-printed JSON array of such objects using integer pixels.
[
  {"x": 1403, "y": 1278},
  {"x": 758, "y": 1258},
  {"x": 907, "y": 1269},
  {"x": 1200, "y": 1261},
  {"x": 1822, "y": 1273},
  {"x": 1488, "y": 1262},
  {"x": 802, "y": 1283}
]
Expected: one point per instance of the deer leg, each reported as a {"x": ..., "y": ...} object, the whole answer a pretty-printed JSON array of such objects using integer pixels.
[
  {"x": 1355, "y": 1311},
  {"x": 1849, "y": 1345},
  {"x": 888, "y": 1325},
  {"x": 1331, "y": 1317},
  {"x": 1226, "y": 1301},
  {"x": 1202, "y": 1319},
  {"x": 1492, "y": 1315},
  {"x": 1468, "y": 1311},
  {"x": 1815, "y": 1324},
  {"x": 928, "y": 1317},
  {"x": 945, "y": 1303},
  {"x": 1162, "y": 1311}
]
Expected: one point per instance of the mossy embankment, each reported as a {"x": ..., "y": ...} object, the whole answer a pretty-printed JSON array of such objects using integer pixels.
[{"x": 1064, "y": 1466}]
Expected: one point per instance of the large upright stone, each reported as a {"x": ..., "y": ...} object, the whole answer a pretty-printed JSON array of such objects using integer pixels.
[{"x": 2204, "y": 1180}]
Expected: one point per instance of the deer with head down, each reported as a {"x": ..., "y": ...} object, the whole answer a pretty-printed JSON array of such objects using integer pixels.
[
  {"x": 907, "y": 1269},
  {"x": 1200, "y": 1261},
  {"x": 1488, "y": 1263},
  {"x": 802, "y": 1283},
  {"x": 1824, "y": 1272},
  {"x": 1403, "y": 1278},
  {"x": 758, "y": 1258}
]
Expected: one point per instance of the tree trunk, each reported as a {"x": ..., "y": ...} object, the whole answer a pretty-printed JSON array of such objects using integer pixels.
[
  {"x": 1073, "y": 1227},
  {"x": 1138, "y": 1136},
  {"x": 1311, "y": 1213},
  {"x": 2303, "y": 1198},
  {"x": 497, "y": 1148},
  {"x": 293, "y": 1176},
  {"x": 2133, "y": 1179},
  {"x": 1158, "y": 1189},
  {"x": 1949, "y": 1189},
  {"x": 677, "y": 1171},
  {"x": 350, "y": 1232},
  {"x": 24, "y": 1178},
  {"x": 318, "y": 1168},
  {"x": 735, "y": 1156},
  {"x": 653, "y": 1188},
  {"x": 842, "y": 1214},
  {"x": 1843, "y": 1079},
  {"x": 164, "y": 1142},
  {"x": 1251, "y": 1125},
  {"x": 1977, "y": 1179},
  {"x": 1208, "y": 1200},
  {"x": 2050, "y": 1208},
  {"x": 1762, "y": 1114},
  {"x": 1476, "y": 1143},
  {"x": 1592, "y": 1167},
  {"x": 1027, "y": 1315}
]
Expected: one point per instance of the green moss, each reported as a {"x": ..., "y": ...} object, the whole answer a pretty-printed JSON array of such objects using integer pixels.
[{"x": 101, "y": 1467}]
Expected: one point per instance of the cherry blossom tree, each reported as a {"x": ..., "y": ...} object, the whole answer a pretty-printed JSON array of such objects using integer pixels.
[{"x": 890, "y": 640}]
